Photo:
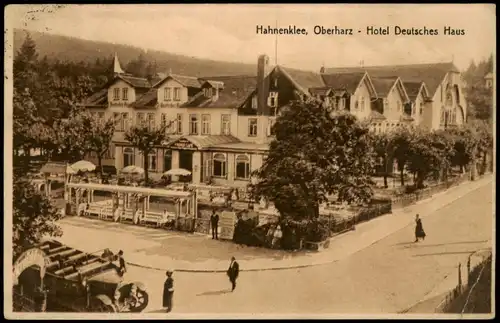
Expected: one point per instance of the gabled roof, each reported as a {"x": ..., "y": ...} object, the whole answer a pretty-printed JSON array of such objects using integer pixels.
[
  {"x": 432, "y": 74},
  {"x": 148, "y": 100},
  {"x": 302, "y": 80},
  {"x": 344, "y": 81},
  {"x": 321, "y": 91},
  {"x": 137, "y": 82},
  {"x": 187, "y": 81},
  {"x": 413, "y": 89},
  {"x": 383, "y": 85},
  {"x": 236, "y": 91},
  {"x": 99, "y": 98}
]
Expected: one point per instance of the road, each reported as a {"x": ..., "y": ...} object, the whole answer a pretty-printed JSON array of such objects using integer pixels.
[{"x": 387, "y": 277}]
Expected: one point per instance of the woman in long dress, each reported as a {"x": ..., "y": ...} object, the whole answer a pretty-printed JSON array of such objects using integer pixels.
[
  {"x": 419, "y": 229},
  {"x": 168, "y": 292}
]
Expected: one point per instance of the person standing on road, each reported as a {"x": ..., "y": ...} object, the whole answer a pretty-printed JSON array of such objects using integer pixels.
[
  {"x": 122, "y": 269},
  {"x": 232, "y": 272},
  {"x": 214, "y": 222},
  {"x": 168, "y": 291},
  {"x": 419, "y": 229}
]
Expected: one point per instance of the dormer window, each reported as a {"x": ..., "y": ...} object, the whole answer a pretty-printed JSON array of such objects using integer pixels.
[
  {"x": 177, "y": 93},
  {"x": 167, "y": 94},
  {"x": 254, "y": 102},
  {"x": 272, "y": 100},
  {"x": 208, "y": 92},
  {"x": 116, "y": 94}
]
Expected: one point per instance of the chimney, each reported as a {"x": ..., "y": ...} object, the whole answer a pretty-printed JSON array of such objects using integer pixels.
[{"x": 262, "y": 85}]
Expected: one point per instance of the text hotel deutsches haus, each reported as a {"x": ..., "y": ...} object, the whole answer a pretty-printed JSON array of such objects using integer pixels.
[{"x": 369, "y": 30}]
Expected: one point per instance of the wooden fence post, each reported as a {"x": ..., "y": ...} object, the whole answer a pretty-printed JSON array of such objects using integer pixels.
[
  {"x": 460, "y": 276},
  {"x": 468, "y": 269}
]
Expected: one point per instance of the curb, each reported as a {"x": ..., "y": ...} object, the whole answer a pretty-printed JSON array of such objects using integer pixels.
[{"x": 317, "y": 263}]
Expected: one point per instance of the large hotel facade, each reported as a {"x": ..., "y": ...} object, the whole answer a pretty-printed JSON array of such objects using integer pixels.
[{"x": 221, "y": 125}]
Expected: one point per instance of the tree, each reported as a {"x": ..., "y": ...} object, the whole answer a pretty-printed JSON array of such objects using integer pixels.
[
  {"x": 146, "y": 138},
  {"x": 402, "y": 141},
  {"x": 316, "y": 153},
  {"x": 71, "y": 140},
  {"x": 383, "y": 147},
  {"x": 34, "y": 217},
  {"x": 480, "y": 101},
  {"x": 465, "y": 142},
  {"x": 429, "y": 153},
  {"x": 24, "y": 68},
  {"x": 98, "y": 136}
]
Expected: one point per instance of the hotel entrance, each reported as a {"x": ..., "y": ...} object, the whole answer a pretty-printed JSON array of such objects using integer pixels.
[{"x": 186, "y": 160}]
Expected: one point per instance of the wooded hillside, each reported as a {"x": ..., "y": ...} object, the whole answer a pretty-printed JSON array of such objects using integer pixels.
[{"x": 65, "y": 48}]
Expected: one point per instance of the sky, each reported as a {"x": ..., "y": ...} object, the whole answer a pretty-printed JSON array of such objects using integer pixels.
[{"x": 228, "y": 32}]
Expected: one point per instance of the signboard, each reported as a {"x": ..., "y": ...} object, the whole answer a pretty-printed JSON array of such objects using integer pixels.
[
  {"x": 30, "y": 258},
  {"x": 227, "y": 221},
  {"x": 183, "y": 143}
]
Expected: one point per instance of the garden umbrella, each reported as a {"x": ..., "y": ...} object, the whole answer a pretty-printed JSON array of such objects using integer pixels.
[
  {"x": 132, "y": 170},
  {"x": 83, "y": 166},
  {"x": 177, "y": 172}
]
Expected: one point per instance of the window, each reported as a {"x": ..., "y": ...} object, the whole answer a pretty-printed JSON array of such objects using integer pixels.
[
  {"x": 362, "y": 104},
  {"x": 272, "y": 100},
  {"x": 167, "y": 160},
  {"x": 128, "y": 157},
  {"x": 219, "y": 165},
  {"x": 270, "y": 129},
  {"x": 205, "y": 124},
  {"x": 421, "y": 108},
  {"x": 116, "y": 94},
  {"x": 226, "y": 124},
  {"x": 177, "y": 93},
  {"x": 356, "y": 105},
  {"x": 141, "y": 120},
  {"x": 208, "y": 92},
  {"x": 167, "y": 94},
  {"x": 124, "y": 94},
  {"x": 242, "y": 167},
  {"x": 193, "y": 124},
  {"x": 443, "y": 115},
  {"x": 152, "y": 160},
  {"x": 100, "y": 118},
  {"x": 121, "y": 121},
  {"x": 254, "y": 102},
  {"x": 179, "y": 123},
  {"x": 151, "y": 121},
  {"x": 252, "y": 127},
  {"x": 386, "y": 105}
]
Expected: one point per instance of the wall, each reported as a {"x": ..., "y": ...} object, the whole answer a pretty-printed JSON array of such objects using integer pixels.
[
  {"x": 171, "y": 83},
  {"x": 361, "y": 92},
  {"x": 391, "y": 110},
  {"x": 121, "y": 85}
]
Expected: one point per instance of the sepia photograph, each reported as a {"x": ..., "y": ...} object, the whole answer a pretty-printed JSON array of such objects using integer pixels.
[{"x": 177, "y": 161}]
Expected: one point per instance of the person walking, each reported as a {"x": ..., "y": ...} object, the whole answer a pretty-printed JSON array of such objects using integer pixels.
[
  {"x": 168, "y": 291},
  {"x": 214, "y": 222},
  {"x": 122, "y": 269},
  {"x": 419, "y": 229},
  {"x": 232, "y": 272}
]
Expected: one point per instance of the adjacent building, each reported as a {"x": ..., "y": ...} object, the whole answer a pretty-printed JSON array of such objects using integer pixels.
[
  {"x": 219, "y": 127},
  {"x": 444, "y": 105}
]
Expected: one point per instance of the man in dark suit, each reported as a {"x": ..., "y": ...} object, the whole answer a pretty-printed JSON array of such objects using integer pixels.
[
  {"x": 214, "y": 222},
  {"x": 232, "y": 272}
]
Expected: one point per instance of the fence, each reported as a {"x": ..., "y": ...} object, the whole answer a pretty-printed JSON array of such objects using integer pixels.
[
  {"x": 365, "y": 214},
  {"x": 409, "y": 199},
  {"x": 473, "y": 296}
]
